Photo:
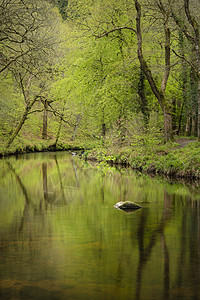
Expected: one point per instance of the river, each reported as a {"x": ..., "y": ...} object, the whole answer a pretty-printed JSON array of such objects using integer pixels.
[{"x": 61, "y": 237}]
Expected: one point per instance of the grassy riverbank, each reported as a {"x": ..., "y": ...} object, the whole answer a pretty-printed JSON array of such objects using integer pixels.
[
  {"x": 178, "y": 159},
  {"x": 26, "y": 146},
  {"x": 170, "y": 159}
]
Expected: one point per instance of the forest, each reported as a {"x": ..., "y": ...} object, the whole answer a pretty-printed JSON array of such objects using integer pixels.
[{"x": 96, "y": 72}]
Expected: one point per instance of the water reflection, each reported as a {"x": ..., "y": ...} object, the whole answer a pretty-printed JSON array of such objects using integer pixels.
[
  {"x": 57, "y": 192},
  {"x": 61, "y": 237}
]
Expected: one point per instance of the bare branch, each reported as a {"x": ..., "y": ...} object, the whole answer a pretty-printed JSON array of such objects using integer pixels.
[
  {"x": 13, "y": 60},
  {"x": 190, "y": 18},
  {"x": 187, "y": 61},
  {"x": 141, "y": 58},
  {"x": 35, "y": 111},
  {"x": 60, "y": 115},
  {"x": 106, "y": 33},
  {"x": 183, "y": 27}
]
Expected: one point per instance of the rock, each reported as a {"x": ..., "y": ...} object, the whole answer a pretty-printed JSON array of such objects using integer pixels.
[{"x": 127, "y": 205}]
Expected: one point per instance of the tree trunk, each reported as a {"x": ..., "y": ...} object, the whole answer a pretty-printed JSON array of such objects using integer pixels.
[
  {"x": 21, "y": 123},
  {"x": 194, "y": 123},
  {"x": 180, "y": 118},
  {"x": 121, "y": 130},
  {"x": 58, "y": 132},
  {"x": 196, "y": 41},
  {"x": 168, "y": 124},
  {"x": 143, "y": 99},
  {"x": 44, "y": 129},
  {"x": 174, "y": 115},
  {"x": 60, "y": 124},
  {"x": 159, "y": 93},
  {"x": 188, "y": 126},
  {"x": 103, "y": 129},
  {"x": 76, "y": 126},
  {"x": 198, "y": 129}
]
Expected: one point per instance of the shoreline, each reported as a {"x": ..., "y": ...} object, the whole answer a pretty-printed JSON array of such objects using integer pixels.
[
  {"x": 38, "y": 149},
  {"x": 169, "y": 160},
  {"x": 176, "y": 162}
]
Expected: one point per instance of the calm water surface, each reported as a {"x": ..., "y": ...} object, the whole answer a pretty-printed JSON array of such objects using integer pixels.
[{"x": 61, "y": 237}]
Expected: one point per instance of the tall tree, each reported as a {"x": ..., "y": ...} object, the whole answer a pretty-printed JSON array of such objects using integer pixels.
[
  {"x": 28, "y": 42},
  {"x": 186, "y": 16},
  {"x": 159, "y": 92},
  {"x": 23, "y": 34},
  {"x": 121, "y": 19}
]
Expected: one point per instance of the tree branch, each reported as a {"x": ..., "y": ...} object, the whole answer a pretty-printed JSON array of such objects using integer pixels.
[
  {"x": 167, "y": 48},
  {"x": 183, "y": 28},
  {"x": 57, "y": 114},
  {"x": 13, "y": 60},
  {"x": 34, "y": 111},
  {"x": 106, "y": 33},
  {"x": 190, "y": 18},
  {"x": 187, "y": 61},
  {"x": 141, "y": 58}
]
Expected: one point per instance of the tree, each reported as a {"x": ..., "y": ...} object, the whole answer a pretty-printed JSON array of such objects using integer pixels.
[
  {"x": 29, "y": 103},
  {"x": 94, "y": 85},
  {"x": 159, "y": 92},
  {"x": 187, "y": 18},
  {"x": 28, "y": 42},
  {"x": 119, "y": 17},
  {"x": 143, "y": 99},
  {"x": 23, "y": 32}
]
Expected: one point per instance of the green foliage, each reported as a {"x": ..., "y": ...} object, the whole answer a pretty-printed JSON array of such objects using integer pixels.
[
  {"x": 93, "y": 80},
  {"x": 158, "y": 158},
  {"x": 10, "y": 105},
  {"x": 62, "y": 4}
]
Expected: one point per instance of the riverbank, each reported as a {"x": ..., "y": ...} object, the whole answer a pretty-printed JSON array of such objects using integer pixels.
[
  {"x": 179, "y": 159},
  {"x": 43, "y": 146}
]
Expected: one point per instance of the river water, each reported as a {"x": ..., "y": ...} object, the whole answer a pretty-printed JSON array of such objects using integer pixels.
[{"x": 62, "y": 238}]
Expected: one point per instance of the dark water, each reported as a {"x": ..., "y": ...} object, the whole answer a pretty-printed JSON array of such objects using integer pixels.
[{"x": 61, "y": 237}]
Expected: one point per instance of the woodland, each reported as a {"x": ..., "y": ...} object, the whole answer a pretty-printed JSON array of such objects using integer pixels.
[{"x": 98, "y": 73}]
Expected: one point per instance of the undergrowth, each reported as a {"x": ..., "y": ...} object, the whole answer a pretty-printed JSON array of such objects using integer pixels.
[
  {"x": 168, "y": 159},
  {"x": 146, "y": 154}
]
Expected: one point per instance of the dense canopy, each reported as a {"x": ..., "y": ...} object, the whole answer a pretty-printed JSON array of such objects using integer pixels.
[{"x": 108, "y": 72}]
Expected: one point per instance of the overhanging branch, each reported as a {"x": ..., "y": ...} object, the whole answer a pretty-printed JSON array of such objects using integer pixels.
[
  {"x": 60, "y": 115},
  {"x": 187, "y": 61},
  {"x": 13, "y": 60},
  {"x": 106, "y": 33},
  {"x": 35, "y": 111}
]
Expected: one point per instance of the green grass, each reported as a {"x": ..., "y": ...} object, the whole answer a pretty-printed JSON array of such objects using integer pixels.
[
  {"x": 146, "y": 154},
  {"x": 165, "y": 159},
  {"x": 20, "y": 146}
]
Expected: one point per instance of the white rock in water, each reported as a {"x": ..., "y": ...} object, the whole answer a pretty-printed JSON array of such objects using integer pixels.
[{"x": 127, "y": 205}]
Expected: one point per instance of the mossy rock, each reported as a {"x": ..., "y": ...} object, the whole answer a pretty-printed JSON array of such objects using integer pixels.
[{"x": 127, "y": 205}]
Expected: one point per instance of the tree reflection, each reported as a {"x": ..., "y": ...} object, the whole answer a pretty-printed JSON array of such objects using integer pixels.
[
  {"x": 55, "y": 189},
  {"x": 166, "y": 266},
  {"x": 25, "y": 193},
  {"x": 18, "y": 179},
  {"x": 153, "y": 250},
  {"x": 145, "y": 252},
  {"x": 142, "y": 252},
  {"x": 45, "y": 185},
  {"x": 183, "y": 246}
]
